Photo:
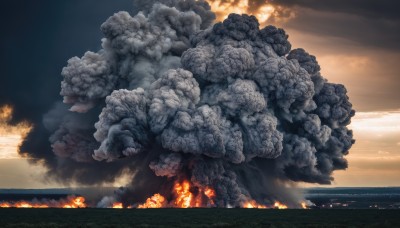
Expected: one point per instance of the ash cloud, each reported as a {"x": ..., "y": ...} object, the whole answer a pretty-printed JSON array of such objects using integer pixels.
[{"x": 228, "y": 106}]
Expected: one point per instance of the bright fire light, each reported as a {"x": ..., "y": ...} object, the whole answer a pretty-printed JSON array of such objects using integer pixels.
[
  {"x": 78, "y": 202},
  {"x": 117, "y": 205},
  {"x": 184, "y": 196},
  {"x": 156, "y": 201},
  {"x": 70, "y": 202},
  {"x": 279, "y": 205},
  {"x": 222, "y": 8},
  {"x": 253, "y": 204}
]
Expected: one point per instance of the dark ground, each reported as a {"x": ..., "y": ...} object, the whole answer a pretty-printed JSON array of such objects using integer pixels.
[{"x": 197, "y": 218}]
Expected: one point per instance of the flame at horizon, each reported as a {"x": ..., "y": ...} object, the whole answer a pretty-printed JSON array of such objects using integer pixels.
[
  {"x": 188, "y": 196},
  {"x": 69, "y": 202},
  {"x": 156, "y": 201}
]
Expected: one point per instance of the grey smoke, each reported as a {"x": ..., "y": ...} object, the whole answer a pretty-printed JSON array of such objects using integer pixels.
[{"x": 228, "y": 106}]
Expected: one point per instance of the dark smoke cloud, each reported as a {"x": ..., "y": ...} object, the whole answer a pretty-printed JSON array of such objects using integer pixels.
[{"x": 170, "y": 97}]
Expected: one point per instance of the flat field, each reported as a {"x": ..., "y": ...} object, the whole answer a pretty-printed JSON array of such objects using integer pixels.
[{"x": 13, "y": 217}]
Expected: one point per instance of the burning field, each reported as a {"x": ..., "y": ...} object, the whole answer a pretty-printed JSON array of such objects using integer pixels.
[
  {"x": 69, "y": 202},
  {"x": 184, "y": 199},
  {"x": 196, "y": 113}
]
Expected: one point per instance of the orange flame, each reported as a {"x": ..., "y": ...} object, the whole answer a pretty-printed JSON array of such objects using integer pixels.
[
  {"x": 185, "y": 198},
  {"x": 77, "y": 202},
  {"x": 70, "y": 202},
  {"x": 209, "y": 192},
  {"x": 5, "y": 205},
  {"x": 253, "y": 204},
  {"x": 304, "y": 205},
  {"x": 117, "y": 205},
  {"x": 183, "y": 195},
  {"x": 279, "y": 205},
  {"x": 156, "y": 201},
  {"x": 23, "y": 204}
]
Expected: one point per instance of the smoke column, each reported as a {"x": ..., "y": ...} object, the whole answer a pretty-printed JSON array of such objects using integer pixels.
[{"x": 172, "y": 97}]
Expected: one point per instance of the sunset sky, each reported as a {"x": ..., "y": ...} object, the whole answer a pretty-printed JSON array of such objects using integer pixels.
[{"x": 356, "y": 42}]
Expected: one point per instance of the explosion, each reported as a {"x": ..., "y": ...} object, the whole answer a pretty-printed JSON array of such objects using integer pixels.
[
  {"x": 156, "y": 201},
  {"x": 200, "y": 114}
]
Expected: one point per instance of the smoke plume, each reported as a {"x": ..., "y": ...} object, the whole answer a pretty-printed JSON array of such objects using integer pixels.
[{"x": 172, "y": 97}]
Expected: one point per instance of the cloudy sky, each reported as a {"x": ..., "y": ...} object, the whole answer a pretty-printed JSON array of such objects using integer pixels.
[{"x": 356, "y": 42}]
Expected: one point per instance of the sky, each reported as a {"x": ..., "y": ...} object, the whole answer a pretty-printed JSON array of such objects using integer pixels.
[{"x": 355, "y": 42}]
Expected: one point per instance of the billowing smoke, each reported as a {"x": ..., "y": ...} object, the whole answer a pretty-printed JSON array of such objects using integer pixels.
[{"x": 171, "y": 97}]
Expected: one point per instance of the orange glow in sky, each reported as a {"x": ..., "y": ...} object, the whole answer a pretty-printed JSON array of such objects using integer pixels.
[{"x": 11, "y": 135}]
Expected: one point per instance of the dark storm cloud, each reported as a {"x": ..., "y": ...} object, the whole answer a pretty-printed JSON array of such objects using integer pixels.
[
  {"x": 382, "y": 9},
  {"x": 369, "y": 23},
  {"x": 37, "y": 40}
]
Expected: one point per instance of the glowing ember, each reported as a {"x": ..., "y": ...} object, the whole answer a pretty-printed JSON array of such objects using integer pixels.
[
  {"x": 156, "y": 201},
  {"x": 279, "y": 205},
  {"x": 117, "y": 205}
]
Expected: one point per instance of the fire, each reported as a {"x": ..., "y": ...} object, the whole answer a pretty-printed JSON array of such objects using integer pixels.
[
  {"x": 156, "y": 201},
  {"x": 5, "y": 205},
  {"x": 209, "y": 192},
  {"x": 117, "y": 205},
  {"x": 222, "y": 8},
  {"x": 184, "y": 196},
  {"x": 279, "y": 205},
  {"x": 253, "y": 204},
  {"x": 306, "y": 204},
  {"x": 70, "y": 202},
  {"x": 23, "y": 204},
  {"x": 78, "y": 202}
]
